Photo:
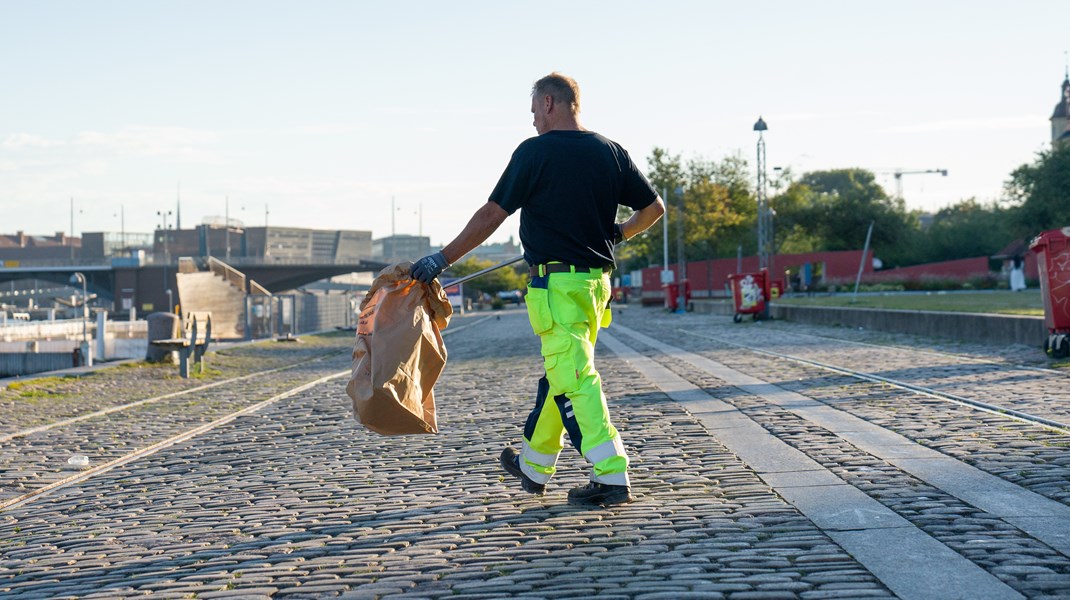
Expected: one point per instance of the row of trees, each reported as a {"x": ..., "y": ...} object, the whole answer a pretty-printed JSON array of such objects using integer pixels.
[
  {"x": 825, "y": 210},
  {"x": 831, "y": 210}
]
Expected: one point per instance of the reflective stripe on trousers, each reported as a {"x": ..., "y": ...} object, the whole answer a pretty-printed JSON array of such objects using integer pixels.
[{"x": 566, "y": 311}]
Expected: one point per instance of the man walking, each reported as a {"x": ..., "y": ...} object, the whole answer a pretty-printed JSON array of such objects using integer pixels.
[{"x": 567, "y": 183}]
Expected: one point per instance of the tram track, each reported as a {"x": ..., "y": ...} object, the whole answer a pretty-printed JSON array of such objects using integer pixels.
[
  {"x": 154, "y": 447},
  {"x": 1057, "y": 425},
  {"x": 154, "y": 399}
]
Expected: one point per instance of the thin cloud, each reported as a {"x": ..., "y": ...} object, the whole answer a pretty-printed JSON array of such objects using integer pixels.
[
  {"x": 151, "y": 141},
  {"x": 982, "y": 124},
  {"x": 27, "y": 140}
]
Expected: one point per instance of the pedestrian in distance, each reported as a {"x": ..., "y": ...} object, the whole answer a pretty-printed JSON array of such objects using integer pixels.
[{"x": 567, "y": 183}]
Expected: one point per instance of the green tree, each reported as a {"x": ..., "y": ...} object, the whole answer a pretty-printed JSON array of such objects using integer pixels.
[
  {"x": 841, "y": 204},
  {"x": 967, "y": 229},
  {"x": 712, "y": 199},
  {"x": 1040, "y": 192},
  {"x": 792, "y": 234}
]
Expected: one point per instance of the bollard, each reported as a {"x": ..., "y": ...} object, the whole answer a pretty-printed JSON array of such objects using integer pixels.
[{"x": 101, "y": 352}]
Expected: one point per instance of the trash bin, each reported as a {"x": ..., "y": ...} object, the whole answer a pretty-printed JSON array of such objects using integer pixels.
[
  {"x": 672, "y": 296},
  {"x": 1053, "y": 260},
  {"x": 776, "y": 289},
  {"x": 750, "y": 292}
]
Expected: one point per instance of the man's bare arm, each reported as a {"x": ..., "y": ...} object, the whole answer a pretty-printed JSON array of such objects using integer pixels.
[
  {"x": 642, "y": 219},
  {"x": 484, "y": 222}
]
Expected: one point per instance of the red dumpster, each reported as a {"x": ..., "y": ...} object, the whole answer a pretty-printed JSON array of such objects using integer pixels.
[
  {"x": 750, "y": 292},
  {"x": 1053, "y": 260},
  {"x": 672, "y": 296}
]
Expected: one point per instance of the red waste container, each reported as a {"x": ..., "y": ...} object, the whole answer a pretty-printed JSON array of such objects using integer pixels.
[
  {"x": 672, "y": 296},
  {"x": 776, "y": 289},
  {"x": 750, "y": 292},
  {"x": 1053, "y": 259}
]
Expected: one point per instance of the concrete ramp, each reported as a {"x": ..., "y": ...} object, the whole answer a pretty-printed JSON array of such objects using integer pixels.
[{"x": 206, "y": 291}]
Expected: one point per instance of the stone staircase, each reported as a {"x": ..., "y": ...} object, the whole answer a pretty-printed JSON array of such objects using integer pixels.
[{"x": 217, "y": 288}]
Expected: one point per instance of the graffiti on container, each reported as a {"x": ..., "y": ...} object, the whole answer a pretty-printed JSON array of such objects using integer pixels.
[{"x": 750, "y": 293}]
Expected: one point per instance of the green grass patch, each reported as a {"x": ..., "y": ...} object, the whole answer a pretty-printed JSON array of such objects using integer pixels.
[
  {"x": 208, "y": 373},
  {"x": 1027, "y": 302},
  {"x": 43, "y": 387}
]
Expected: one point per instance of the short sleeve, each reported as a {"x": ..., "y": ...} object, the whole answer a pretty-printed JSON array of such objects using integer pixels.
[
  {"x": 516, "y": 184},
  {"x": 636, "y": 191}
]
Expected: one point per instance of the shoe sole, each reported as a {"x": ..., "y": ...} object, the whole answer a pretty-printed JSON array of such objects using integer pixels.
[
  {"x": 606, "y": 501},
  {"x": 526, "y": 484}
]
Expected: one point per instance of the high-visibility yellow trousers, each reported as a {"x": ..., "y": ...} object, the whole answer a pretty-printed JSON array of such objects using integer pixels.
[{"x": 566, "y": 310}]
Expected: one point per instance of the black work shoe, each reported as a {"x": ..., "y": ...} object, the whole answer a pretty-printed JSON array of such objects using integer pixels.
[
  {"x": 510, "y": 460},
  {"x": 600, "y": 494}
]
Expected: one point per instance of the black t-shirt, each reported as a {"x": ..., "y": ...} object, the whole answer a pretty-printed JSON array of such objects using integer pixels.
[{"x": 569, "y": 184}]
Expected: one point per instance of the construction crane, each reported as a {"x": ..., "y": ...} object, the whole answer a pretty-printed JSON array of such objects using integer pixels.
[{"x": 898, "y": 174}]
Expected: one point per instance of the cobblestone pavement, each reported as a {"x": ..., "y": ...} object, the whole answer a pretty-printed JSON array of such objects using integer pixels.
[
  {"x": 1025, "y": 388},
  {"x": 29, "y": 462},
  {"x": 35, "y": 402},
  {"x": 296, "y": 500},
  {"x": 1029, "y": 455}
]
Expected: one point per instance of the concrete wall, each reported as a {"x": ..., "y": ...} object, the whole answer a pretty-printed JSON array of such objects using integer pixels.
[
  {"x": 971, "y": 327},
  {"x": 26, "y": 363}
]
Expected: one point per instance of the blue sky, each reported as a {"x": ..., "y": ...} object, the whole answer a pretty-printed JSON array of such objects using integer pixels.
[{"x": 322, "y": 112}]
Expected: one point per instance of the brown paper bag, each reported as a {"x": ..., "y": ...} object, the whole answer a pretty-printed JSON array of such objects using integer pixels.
[{"x": 399, "y": 353}]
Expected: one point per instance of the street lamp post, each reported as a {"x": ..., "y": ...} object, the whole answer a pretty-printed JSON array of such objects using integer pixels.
[
  {"x": 681, "y": 297},
  {"x": 765, "y": 226},
  {"x": 163, "y": 215},
  {"x": 87, "y": 358}
]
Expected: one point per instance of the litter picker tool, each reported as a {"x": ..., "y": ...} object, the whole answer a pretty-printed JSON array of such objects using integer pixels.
[{"x": 481, "y": 272}]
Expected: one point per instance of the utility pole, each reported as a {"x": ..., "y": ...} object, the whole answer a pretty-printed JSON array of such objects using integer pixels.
[
  {"x": 70, "y": 242},
  {"x": 226, "y": 220},
  {"x": 681, "y": 296},
  {"x": 665, "y": 238}
]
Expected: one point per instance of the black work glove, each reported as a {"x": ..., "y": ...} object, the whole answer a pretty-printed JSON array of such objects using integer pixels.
[
  {"x": 427, "y": 268},
  {"x": 618, "y": 233}
]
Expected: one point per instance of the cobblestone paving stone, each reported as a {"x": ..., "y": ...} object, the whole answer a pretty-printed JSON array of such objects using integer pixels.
[
  {"x": 36, "y": 402},
  {"x": 1032, "y": 456},
  {"x": 1023, "y": 387},
  {"x": 1027, "y": 565},
  {"x": 297, "y": 501},
  {"x": 33, "y": 461}
]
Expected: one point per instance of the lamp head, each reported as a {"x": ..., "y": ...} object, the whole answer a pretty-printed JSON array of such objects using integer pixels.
[{"x": 760, "y": 125}]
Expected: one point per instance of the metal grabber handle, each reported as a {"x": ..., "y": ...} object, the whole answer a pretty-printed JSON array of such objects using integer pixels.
[{"x": 479, "y": 273}]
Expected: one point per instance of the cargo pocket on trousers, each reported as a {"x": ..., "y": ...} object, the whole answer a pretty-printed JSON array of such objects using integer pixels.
[
  {"x": 557, "y": 361},
  {"x": 538, "y": 303}
]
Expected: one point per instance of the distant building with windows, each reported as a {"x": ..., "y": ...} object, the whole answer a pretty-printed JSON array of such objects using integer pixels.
[
  {"x": 223, "y": 241},
  {"x": 401, "y": 247},
  {"x": 315, "y": 245},
  {"x": 19, "y": 246},
  {"x": 498, "y": 252},
  {"x": 112, "y": 244}
]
